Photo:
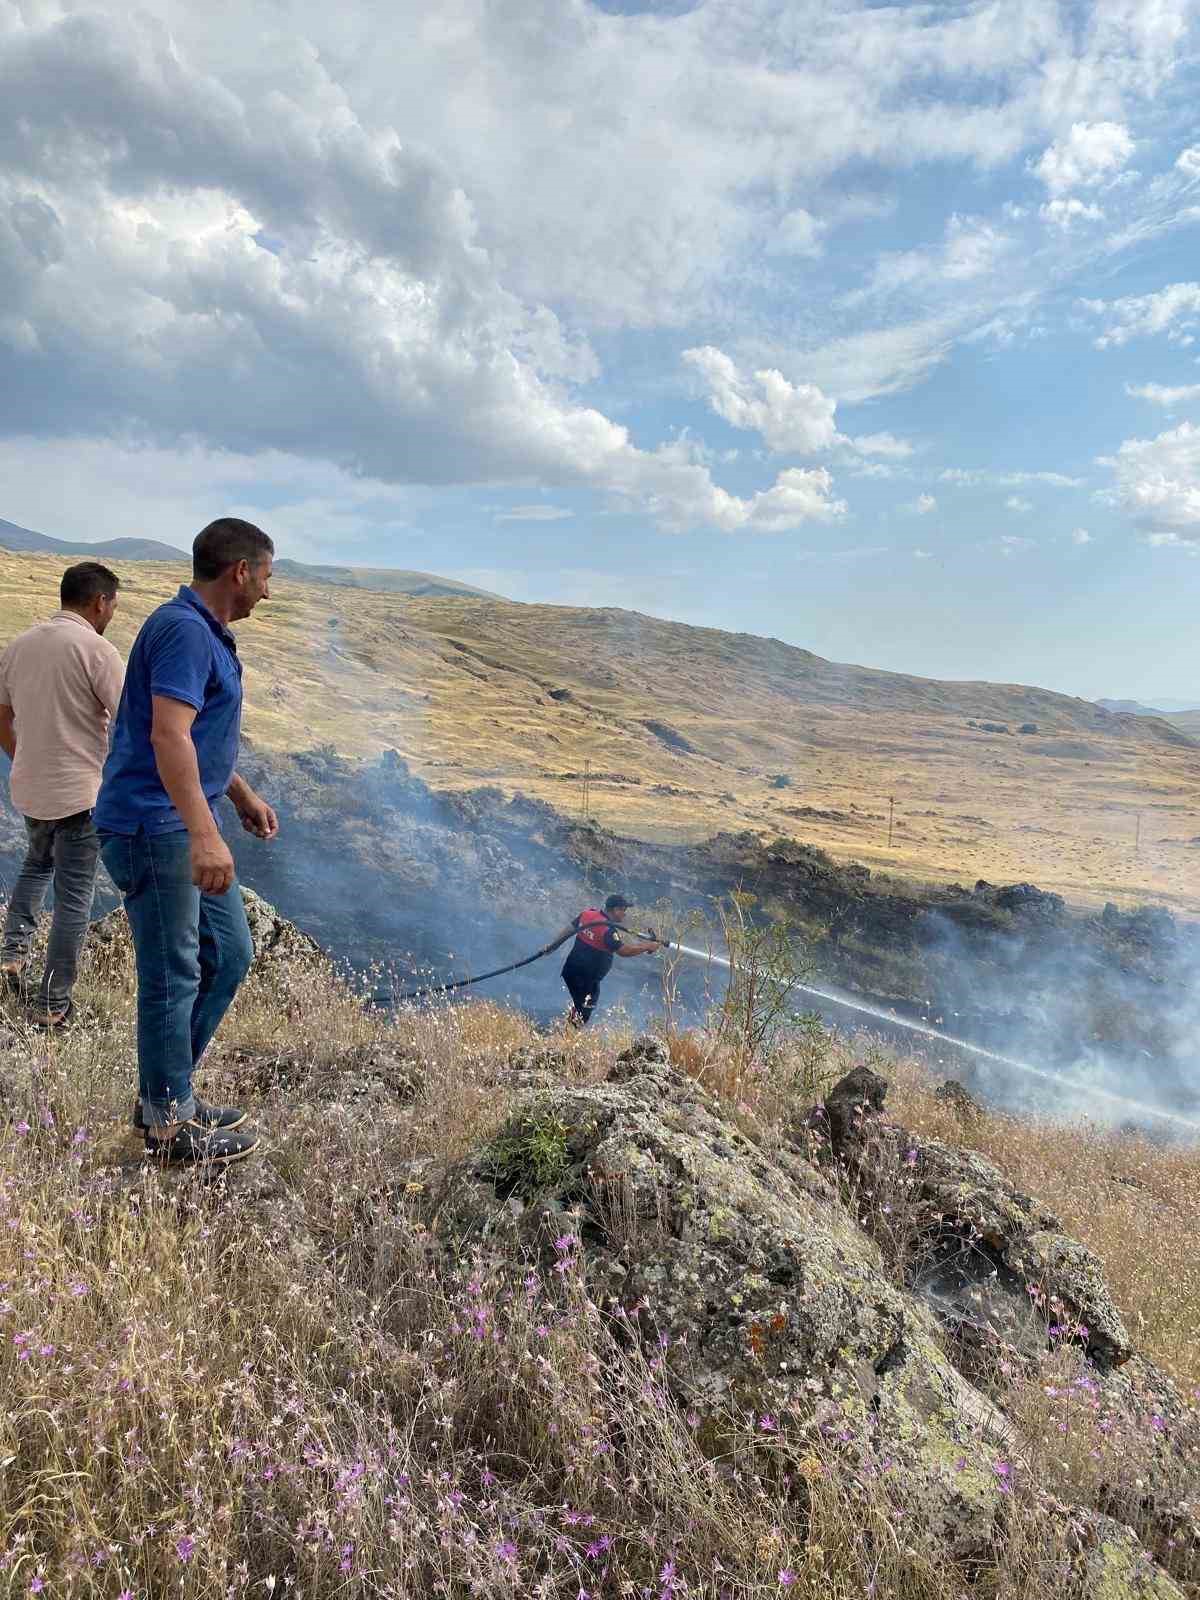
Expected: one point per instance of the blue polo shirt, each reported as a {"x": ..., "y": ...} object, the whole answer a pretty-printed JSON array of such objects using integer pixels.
[{"x": 183, "y": 653}]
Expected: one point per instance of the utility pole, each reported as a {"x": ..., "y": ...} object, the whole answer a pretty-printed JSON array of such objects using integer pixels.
[{"x": 891, "y": 818}]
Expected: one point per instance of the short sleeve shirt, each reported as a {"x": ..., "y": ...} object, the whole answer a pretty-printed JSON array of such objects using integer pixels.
[
  {"x": 182, "y": 653},
  {"x": 63, "y": 682}
]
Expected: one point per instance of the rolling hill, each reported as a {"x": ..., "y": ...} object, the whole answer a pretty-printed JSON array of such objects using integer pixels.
[
  {"x": 1169, "y": 708},
  {"x": 684, "y": 732},
  {"x": 390, "y": 580},
  {"x": 13, "y": 537}
]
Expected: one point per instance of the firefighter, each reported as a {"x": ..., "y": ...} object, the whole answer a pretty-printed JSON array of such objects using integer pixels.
[{"x": 599, "y": 936}]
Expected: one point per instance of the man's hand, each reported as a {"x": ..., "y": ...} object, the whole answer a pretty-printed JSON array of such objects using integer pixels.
[
  {"x": 257, "y": 816},
  {"x": 212, "y": 864}
]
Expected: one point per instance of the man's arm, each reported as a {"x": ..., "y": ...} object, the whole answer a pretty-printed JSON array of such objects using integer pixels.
[
  {"x": 175, "y": 758},
  {"x": 642, "y": 948},
  {"x": 257, "y": 816},
  {"x": 108, "y": 679},
  {"x": 8, "y": 732}
]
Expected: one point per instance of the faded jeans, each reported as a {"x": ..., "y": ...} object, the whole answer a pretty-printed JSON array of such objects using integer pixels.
[
  {"x": 65, "y": 853},
  {"x": 192, "y": 952}
]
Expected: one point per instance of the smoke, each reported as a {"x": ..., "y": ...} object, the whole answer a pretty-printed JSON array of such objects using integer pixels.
[
  {"x": 1035, "y": 1007},
  {"x": 1109, "y": 1005}
]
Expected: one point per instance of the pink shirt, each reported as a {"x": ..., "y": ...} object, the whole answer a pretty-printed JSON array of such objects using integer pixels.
[{"x": 63, "y": 682}]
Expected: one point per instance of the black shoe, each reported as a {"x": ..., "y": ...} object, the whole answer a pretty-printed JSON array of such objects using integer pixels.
[
  {"x": 191, "y": 1145},
  {"x": 213, "y": 1119},
  {"x": 54, "y": 1021}
]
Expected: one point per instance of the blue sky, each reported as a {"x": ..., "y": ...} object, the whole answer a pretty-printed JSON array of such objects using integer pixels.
[{"x": 870, "y": 327}]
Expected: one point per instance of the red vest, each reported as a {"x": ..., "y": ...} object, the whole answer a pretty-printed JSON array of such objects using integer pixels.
[{"x": 593, "y": 930}]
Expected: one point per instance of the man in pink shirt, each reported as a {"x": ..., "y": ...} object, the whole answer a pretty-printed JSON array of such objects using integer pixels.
[{"x": 60, "y": 682}]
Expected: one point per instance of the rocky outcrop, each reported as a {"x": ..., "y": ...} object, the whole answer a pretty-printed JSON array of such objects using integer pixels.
[
  {"x": 741, "y": 1271},
  {"x": 277, "y": 942},
  {"x": 990, "y": 1259}
]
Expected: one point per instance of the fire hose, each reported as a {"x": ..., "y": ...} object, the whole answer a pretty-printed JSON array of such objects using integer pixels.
[{"x": 513, "y": 966}]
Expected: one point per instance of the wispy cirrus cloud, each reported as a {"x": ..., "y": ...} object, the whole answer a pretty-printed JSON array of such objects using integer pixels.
[
  {"x": 534, "y": 513},
  {"x": 986, "y": 478},
  {"x": 1173, "y": 310},
  {"x": 1166, "y": 395}
]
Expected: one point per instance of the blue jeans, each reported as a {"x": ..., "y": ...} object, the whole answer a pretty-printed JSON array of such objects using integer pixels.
[
  {"x": 192, "y": 950},
  {"x": 67, "y": 853}
]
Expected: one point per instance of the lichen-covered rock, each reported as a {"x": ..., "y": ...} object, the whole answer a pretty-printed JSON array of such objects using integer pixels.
[
  {"x": 1108, "y": 1563},
  {"x": 276, "y": 941},
  {"x": 956, "y": 1198},
  {"x": 960, "y": 1100},
  {"x": 743, "y": 1271},
  {"x": 1154, "y": 1435},
  {"x": 365, "y": 1076}
]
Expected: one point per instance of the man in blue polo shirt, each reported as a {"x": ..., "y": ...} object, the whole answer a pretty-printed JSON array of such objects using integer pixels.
[{"x": 174, "y": 754}]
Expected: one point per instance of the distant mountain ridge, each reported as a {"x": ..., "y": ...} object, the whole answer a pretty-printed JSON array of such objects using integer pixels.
[
  {"x": 1135, "y": 708},
  {"x": 388, "y": 580},
  {"x": 14, "y": 537}
]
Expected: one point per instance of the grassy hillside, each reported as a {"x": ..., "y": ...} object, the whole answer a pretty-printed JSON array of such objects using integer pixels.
[
  {"x": 268, "y": 1387},
  {"x": 388, "y": 580},
  {"x": 686, "y": 731}
]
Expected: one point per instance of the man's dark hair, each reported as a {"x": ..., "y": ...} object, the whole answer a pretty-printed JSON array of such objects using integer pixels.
[
  {"x": 617, "y": 902},
  {"x": 83, "y": 583},
  {"x": 225, "y": 542}
]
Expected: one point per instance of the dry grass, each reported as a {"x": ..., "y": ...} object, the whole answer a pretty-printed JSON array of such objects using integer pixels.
[
  {"x": 462, "y": 688},
  {"x": 203, "y": 1397}
]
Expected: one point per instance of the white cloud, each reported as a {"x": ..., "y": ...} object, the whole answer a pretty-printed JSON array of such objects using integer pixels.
[
  {"x": 190, "y": 256},
  {"x": 971, "y": 248},
  {"x": 1174, "y": 541},
  {"x": 922, "y": 505},
  {"x": 881, "y": 444},
  {"x": 1063, "y": 213},
  {"x": 923, "y": 555},
  {"x": 1015, "y": 503},
  {"x": 1174, "y": 310},
  {"x": 1092, "y": 153},
  {"x": 798, "y": 233},
  {"x": 982, "y": 478},
  {"x": 1160, "y": 394},
  {"x": 1081, "y": 536},
  {"x": 300, "y": 230},
  {"x": 882, "y": 361},
  {"x": 792, "y": 418},
  {"x": 78, "y": 488},
  {"x": 1157, "y": 481},
  {"x": 1011, "y": 544},
  {"x": 1188, "y": 162},
  {"x": 534, "y": 513}
]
